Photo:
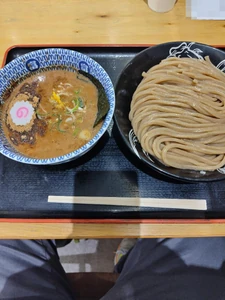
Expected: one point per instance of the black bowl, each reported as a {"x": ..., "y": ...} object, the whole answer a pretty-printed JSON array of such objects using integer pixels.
[{"x": 127, "y": 84}]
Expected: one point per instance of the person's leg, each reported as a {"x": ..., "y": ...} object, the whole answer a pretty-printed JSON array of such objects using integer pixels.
[
  {"x": 172, "y": 269},
  {"x": 30, "y": 269}
]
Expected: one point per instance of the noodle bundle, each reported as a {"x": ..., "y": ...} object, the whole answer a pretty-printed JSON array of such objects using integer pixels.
[{"x": 178, "y": 113}]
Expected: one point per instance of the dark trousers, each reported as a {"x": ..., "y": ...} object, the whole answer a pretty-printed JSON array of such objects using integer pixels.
[{"x": 154, "y": 269}]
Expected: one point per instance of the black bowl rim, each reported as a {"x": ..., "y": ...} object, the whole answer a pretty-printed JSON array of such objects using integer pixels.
[{"x": 145, "y": 161}]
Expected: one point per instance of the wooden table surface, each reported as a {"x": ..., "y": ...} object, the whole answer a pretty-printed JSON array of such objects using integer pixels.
[{"x": 102, "y": 22}]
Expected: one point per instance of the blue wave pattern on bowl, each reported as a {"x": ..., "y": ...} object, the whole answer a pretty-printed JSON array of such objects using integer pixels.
[{"x": 28, "y": 63}]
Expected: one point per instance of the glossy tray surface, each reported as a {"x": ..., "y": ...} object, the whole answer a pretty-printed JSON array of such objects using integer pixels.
[{"x": 109, "y": 169}]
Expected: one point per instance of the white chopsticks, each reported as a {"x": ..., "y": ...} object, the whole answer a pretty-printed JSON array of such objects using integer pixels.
[{"x": 192, "y": 204}]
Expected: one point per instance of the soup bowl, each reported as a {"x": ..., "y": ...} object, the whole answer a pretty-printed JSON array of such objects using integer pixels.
[
  {"x": 126, "y": 85},
  {"x": 33, "y": 62}
]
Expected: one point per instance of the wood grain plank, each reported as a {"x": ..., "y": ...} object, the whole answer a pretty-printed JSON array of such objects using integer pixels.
[
  {"x": 87, "y": 21},
  {"x": 71, "y": 230}
]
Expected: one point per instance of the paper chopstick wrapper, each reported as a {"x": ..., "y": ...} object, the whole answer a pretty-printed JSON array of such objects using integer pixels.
[{"x": 192, "y": 204}]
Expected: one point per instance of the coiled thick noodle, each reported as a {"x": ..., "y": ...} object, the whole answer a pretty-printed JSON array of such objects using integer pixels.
[{"x": 178, "y": 113}]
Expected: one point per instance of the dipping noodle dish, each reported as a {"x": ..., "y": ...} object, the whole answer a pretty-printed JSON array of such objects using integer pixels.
[
  {"x": 172, "y": 97},
  {"x": 54, "y": 111}
]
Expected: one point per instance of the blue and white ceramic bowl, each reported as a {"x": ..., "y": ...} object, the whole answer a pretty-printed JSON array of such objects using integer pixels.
[{"x": 33, "y": 61}]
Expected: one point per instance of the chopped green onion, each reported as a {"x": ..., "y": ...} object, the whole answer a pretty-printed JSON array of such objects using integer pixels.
[
  {"x": 58, "y": 126},
  {"x": 41, "y": 116},
  {"x": 76, "y": 131},
  {"x": 76, "y": 105},
  {"x": 81, "y": 103}
]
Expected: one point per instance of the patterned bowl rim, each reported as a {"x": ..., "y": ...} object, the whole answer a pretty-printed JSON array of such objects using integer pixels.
[{"x": 86, "y": 147}]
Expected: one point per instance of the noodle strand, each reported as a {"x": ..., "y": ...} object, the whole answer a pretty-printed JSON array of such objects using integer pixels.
[{"x": 178, "y": 113}]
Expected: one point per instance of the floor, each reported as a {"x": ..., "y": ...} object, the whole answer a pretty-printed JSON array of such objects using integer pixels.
[{"x": 89, "y": 255}]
